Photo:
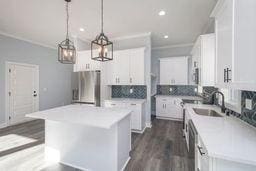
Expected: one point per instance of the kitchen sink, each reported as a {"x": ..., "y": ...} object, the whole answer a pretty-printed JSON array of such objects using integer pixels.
[{"x": 207, "y": 112}]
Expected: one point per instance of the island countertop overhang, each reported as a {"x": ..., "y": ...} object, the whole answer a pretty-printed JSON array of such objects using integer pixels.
[{"x": 82, "y": 114}]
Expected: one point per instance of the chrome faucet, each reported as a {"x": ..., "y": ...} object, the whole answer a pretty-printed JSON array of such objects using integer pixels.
[{"x": 223, "y": 108}]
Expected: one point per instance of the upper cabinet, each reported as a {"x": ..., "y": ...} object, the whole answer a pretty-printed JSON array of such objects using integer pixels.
[
  {"x": 203, "y": 60},
  {"x": 235, "y": 26},
  {"x": 174, "y": 71},
  {"x": 85, "y": 63},
  {"x": 127, "y": 67}
]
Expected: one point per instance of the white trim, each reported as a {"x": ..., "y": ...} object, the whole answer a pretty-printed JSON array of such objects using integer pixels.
[
  {"x": 7, "y": 85},
  {"x": 125, "y": 164},
  {"x": 27, "y": 40},
  {"x": 167, "y": 118},
  {"x": 139, "y": 131},
  {"x": 173, "y": 46},
  {"x": 74, "y": 166},
  {"x": 149, "y": 125},
  {"x": 131, "y": 36},
  {"x": 3, "y": 125}
]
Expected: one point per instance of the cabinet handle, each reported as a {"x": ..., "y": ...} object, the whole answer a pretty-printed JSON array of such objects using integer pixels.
[
  {"x": 130, "y": 80},
  {"x": 225, "y": 71},
  {"x": 228, "y": 70},
  {"x": 88, "y": 66},
  {"x": 113, "y": 104},
  {"x": 199, "y": 149},
  {"x": 133, "y": 104}
]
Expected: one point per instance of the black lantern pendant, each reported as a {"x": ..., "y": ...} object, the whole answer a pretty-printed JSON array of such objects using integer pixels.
[
  {"x": 101, "y": 47},
  {"x": 66, "y": 49}
]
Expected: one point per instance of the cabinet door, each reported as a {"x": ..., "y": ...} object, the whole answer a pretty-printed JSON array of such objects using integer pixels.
[
  {"x": 135, "y": 115},
  {"x": 82, "y": 61},
  {"x": 161, "y": 107},
  {"x": 137, "y": 70},
  {"x": 120, "y": 68},
  {"x": 224, "y": 42},
  {"x": 174, "y": 71}
]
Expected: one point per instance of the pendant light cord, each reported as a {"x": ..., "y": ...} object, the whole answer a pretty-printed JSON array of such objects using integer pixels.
[
  {"x": 67, "y": 36},
  {"x": 101, "y": 16}
]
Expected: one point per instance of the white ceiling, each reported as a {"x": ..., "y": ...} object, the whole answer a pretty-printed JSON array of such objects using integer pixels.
[{"x": 43, "y": 21}]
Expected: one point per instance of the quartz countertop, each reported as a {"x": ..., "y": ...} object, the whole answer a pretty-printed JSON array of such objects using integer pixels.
[
  {"x": 127, "y": 100},
  {"x": 225, "y": 137},
  {"x": 83, "y": 114},
  {"x": 180, "y": 97}
]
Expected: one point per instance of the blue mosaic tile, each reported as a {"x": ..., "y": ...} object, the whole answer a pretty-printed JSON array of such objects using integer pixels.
[
  {"x": 179, "y": 90},
  {"x": 139, "y": 92}
]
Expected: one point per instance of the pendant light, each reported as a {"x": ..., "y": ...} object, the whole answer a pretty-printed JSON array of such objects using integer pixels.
[
  {"x": 101, "y": 47},
  {"x": 66, "y": 49}
]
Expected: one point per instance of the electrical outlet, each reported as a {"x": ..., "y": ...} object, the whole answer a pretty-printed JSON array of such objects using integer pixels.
[
  {"x": 248, "y": 104},
  {"x": 131, "y": 90}
]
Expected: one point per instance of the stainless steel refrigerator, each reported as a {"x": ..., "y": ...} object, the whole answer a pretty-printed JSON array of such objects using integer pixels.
[{"x": 89, "y": 87}]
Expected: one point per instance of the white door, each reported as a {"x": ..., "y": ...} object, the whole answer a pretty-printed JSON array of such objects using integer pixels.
[{"x": 23, "y": 91}]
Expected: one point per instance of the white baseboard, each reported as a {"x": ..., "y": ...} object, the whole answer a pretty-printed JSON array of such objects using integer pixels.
[
  {"x": 149, "y": 125},
  {"x": 125, "y": 164},
  {"x": 3, "y": 125},
  {"x": 74, "y": 166},
  {"x": 167, "y": 118},
  {"x": 139, "y": 131}
]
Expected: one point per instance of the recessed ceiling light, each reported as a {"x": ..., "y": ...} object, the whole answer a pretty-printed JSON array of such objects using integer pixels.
[
  {"x": 166, "y": 36},
  {"x": 81, "y": 29},
  {"x": 161, "y": 13}
]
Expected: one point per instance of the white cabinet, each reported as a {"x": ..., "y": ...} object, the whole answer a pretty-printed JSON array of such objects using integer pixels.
[
  {"x": 138, "y": 112},
  {"x": 168, "y": 107},
  {"x": 203, "y": 60},
  {"x": 201, "y": 157},
  {"x": 118, "y": 69},
  {"x": 174, "y": 71},
  {"x": 186, "y": 133},
  {"x": 235, "y": 27},
  {"x": 127, "y": 67},
  {"x": 85, "y": 63}
]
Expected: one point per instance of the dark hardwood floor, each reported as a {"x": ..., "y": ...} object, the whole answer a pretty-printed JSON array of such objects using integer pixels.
[{"x": 161, "y": 148}]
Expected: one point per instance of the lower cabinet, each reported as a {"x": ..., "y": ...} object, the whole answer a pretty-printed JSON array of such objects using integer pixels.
[
  {"x": 168, "y": 107},
  {"x": 138, "y": 112}
]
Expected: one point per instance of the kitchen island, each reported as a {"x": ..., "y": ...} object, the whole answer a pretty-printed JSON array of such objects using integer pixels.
[{"x": 88, "y": 138}]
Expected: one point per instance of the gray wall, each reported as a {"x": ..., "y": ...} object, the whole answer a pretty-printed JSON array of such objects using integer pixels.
[{"x": 55, "y": 77}]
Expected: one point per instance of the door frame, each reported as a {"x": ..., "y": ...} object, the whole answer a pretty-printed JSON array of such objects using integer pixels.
[{"x": 7, "y": 87}]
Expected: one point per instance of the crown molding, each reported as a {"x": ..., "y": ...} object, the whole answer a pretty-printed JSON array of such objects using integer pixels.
[
  {"x": 173, "y": 46},
  {"x": 131, "y": 36},
  {"x": 27, "y": 40}
]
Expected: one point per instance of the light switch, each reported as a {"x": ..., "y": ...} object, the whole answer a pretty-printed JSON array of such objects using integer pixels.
[{"x": 248, "y": 104}]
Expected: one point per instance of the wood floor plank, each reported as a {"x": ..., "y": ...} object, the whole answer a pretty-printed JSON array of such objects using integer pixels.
[{"x": 161, "y": 148}]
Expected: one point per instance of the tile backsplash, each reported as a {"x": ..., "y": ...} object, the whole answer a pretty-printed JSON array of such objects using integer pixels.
[
  {"x": 127, "y": 91},
  {"x": 247, "y": 115},
  {"x": 179, "y": 90}
]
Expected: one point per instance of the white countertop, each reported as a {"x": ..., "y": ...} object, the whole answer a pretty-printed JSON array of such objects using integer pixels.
[
  {"x": 225, "y": 137},
  {"x": 133, "y": 100},
  {"x": 83, "y": 114},
  {"x": 179, "y": 97}
]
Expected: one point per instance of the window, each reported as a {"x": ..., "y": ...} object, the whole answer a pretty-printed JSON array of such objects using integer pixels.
[{"x": 232, "y": 99}]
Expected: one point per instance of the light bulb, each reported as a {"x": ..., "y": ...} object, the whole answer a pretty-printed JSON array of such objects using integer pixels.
[{"x": 65, "y": 53}]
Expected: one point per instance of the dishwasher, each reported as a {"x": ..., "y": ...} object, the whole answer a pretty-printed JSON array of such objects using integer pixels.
[{"x": 193, "y": 138}]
